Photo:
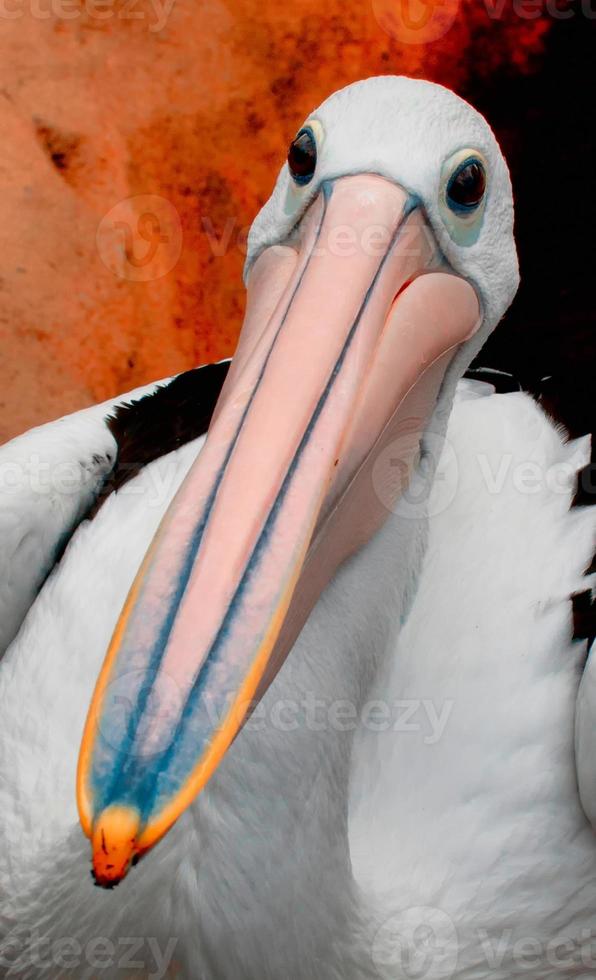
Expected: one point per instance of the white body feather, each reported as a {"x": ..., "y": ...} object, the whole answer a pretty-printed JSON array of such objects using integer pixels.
[
  {"x": 323, "y": 848},
  {"x": 48, "y": 480}
]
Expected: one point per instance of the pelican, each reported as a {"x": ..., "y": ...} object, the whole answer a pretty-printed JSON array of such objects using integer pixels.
[{"x": 333, "y": 735}]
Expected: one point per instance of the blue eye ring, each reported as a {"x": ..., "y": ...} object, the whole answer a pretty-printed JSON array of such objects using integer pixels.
[
  {"x": 466, "y": 188},
  {"x": 302, "y": 156}
]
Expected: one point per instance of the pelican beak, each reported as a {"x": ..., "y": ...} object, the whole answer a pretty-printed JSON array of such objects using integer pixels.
[{"x": 348, "y": 332}]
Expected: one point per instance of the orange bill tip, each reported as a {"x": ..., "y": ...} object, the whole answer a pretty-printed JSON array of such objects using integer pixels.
[{"x": 114, "y": 844}]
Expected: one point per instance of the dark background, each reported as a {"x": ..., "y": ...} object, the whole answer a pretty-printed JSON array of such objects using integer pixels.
[
  {"x": 104, "y": 119},
  {"x": 546, "y": 123}
]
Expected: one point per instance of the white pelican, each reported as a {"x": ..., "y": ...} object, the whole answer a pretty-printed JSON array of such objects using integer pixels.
[{"x": 403, "y": 801}]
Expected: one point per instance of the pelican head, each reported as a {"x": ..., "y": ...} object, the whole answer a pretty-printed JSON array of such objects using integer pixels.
[{"x": 376, "y": 270}]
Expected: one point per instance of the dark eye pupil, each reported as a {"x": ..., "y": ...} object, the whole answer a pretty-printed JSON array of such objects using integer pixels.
[
  {"x": 302, "y": 156},
  {"x": 467, "y": 186}
]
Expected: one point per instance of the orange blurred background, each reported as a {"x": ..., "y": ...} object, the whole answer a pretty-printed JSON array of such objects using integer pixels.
[{"x": 140, "y": 137}]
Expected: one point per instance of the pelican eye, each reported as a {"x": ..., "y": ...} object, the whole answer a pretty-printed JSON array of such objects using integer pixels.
[
  {"x": 467, "y": 186},
  {"x": 463, "y": 193},
  {"x": 302, "y": 156}
]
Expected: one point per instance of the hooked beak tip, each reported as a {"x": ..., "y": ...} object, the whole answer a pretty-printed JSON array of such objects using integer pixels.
[{"x": 115, "y": 844}]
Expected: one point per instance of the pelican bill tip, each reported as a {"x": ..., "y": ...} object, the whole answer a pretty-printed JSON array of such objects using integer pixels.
[{"x": 114, "y": 844}]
